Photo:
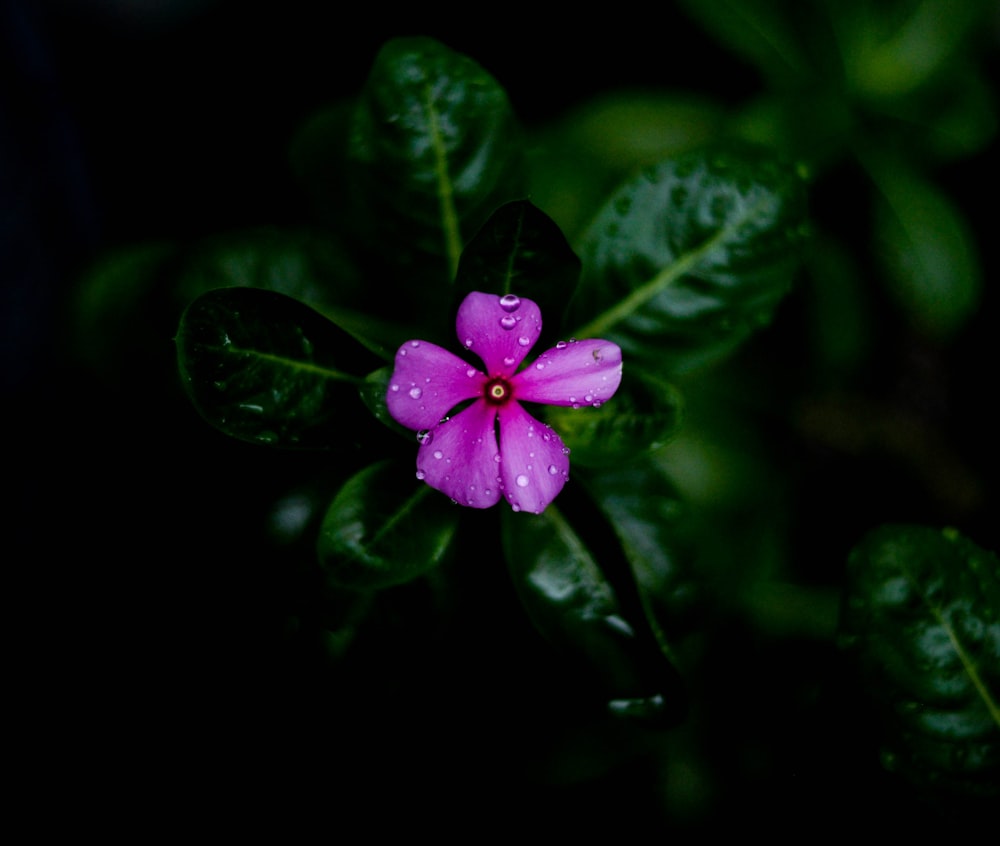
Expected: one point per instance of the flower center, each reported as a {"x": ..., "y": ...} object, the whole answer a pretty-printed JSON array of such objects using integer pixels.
[{"x": 497, "y": 391}]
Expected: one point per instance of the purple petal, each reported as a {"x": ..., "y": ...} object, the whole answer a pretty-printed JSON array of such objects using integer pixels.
[
  {"x": 428, "y": 382},
  {"x": 500, "y": 333},
  {"x": 534, "y": 463},
  {"x": 459, "y": 459},
  {"x": 576, "y": 373}
]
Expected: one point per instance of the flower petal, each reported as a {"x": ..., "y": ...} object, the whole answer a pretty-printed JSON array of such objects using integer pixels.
[
  {"x": 459, "y": 459},
  {"x": 427, "y": 382},
  {"x": 500, "y": 330},
  {"x": 573, "y": 373},
  {"x": 534, "y": 462}
]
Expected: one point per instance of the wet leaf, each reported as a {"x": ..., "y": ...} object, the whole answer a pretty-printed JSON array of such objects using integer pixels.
[
  {"x": 574, "y": 606},
  {"x": 643, "y": 415},
  {"x": 921, "y": 619},
  {"x": 692, "y": 256},
  {"x": 263, "y": 367},
  {"x": 436, "y": 148},
  {"x": 378, "y": 533},
  {"x": 520, "y": 250},
  {"x": 648, "y": 517}
]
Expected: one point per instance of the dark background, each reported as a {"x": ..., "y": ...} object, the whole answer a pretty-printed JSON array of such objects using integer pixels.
[{"x": 151, "y": 629}]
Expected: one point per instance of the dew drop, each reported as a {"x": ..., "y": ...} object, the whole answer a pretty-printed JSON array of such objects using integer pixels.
[
  {"x": 470, "y": 372},
  {"x": 553, "y": 470},
  {"x": 394, "y": 388},
  {"x": 522, "y": 481},
  {"x": 420, "y": 475},
  {"x": 415, "y": 392},
  {"x": 438, "y": 454},
  {"x": 414, "y": 343},
  {"x": 402, "y": 352},
  {"x": 508, "y": 321},
  {"x": 539, "y": 365},
  {"x": 508, "y": 360},
  {"x": 468, "y": 342},
  {"x": 496, "y": 458},
  {"x": 510, "y": 302},
  {"x": 425, "y": 436},
  {"x": 560, "y": 345},
  {"x": 524, "y": 340},
  {"x": 588, "y": 398}
]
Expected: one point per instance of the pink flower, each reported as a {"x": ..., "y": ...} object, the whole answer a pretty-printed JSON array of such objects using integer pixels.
[{"x": 468, "y": 456}]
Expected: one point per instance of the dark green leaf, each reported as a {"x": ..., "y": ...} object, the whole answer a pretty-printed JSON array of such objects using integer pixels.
[
  {"x": 379, "y": 532},
  {"x": 373, "y": 393},
  {"x": 689, "y": 258},
  {"x": 643, "y": 415},
  {"x": 263, "y": 367},
  {"x": 922, "y": 619},
  {"x": 437, "y": 149},
  {"x": 648, "y": 518},
  {"x": 574, "y": 606},
  {"x": 927, "y": 249},
  {"x": 520, "y": 250}
]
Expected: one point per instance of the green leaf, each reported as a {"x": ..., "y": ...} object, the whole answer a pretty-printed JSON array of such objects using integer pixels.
[
  {"x": 378, "y": 532},
  {"x": 649, "y": 520},
  {"x": 574, "y": 606},
  {"x": 373, "y": 394},
  {"x": 643, "y": 415},
  {"x": 520, "y": 250},
  {"x": 437, "y": 148},
  {"x": 265, "y": 368},
  {"x": 690, "y": 257},
  {"x": 892, "y": 49},
  {"x": 926, "y": 248},
  {"x": 922, "y": 620}
]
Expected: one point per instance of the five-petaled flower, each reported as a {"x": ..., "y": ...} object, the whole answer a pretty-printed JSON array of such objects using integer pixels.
[{"x": 468, "y": 456}]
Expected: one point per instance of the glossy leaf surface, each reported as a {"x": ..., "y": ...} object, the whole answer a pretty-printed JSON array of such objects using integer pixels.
[
  {"x": 439, "y": 149},
  {"x": 378, "y": 532},
  {"x": 263, "y": 367},
  {"x": 692, "y": 256},
  {"x": 520, "y": 250},
  {"x": 922, "y": 620},
  {"x": 644, "y": 414},
  {"x": 646, "y": 514},
  {"x": 575, "y": 607}
]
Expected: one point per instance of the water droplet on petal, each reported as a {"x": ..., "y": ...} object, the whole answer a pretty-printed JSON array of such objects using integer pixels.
[
  {"x": 524, "y": 340},
  {"x": 553, "y": 470},
  {"x": 415, "y": 392},
  {"x": 560, "y": 345},
  {"x": 522, "y": 481},
  {"x": 508, "y": 360},
  {"x": 588, "y": 398},
  {"x": 508, "y": 321},
  {"x": 414, "y": 343},
  {"x": 468, "y": 342},
  {"x": 510, "y": 302},
  {"x": 539, "y": 365},
  {"x": 420, "y": 475},
  {"x": 438, "y": 454},
  {"x": 515, "y": 507},
  {"x": 470, "y": 372},
  {"x": 425, "y": 436},
  {"x": 394, "y": 388},
  {"x": 496, "y": 457}
]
